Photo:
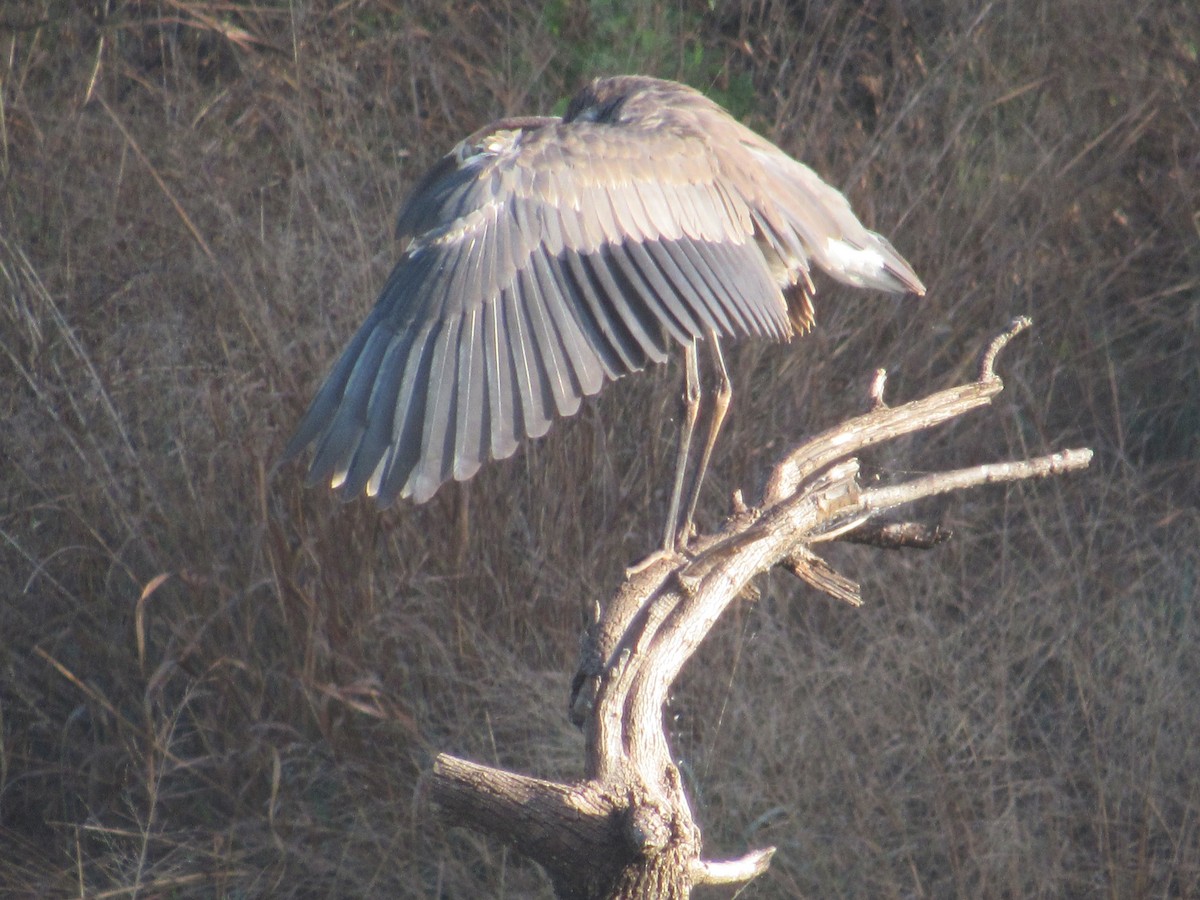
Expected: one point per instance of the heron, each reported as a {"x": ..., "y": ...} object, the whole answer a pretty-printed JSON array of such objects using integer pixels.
[{"x": 544, "y": 257}]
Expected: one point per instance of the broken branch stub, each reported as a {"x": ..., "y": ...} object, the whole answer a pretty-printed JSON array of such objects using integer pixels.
[{"x": 626, "y": 829}]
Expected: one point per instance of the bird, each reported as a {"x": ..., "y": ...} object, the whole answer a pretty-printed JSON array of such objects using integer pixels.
[{"x": 544, "y": 257}]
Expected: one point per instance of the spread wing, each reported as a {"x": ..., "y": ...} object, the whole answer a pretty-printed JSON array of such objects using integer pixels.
[{"x": 545, "y": 258}]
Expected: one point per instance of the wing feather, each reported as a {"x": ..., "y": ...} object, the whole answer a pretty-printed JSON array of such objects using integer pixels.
[
  {"x": 437, "y": 437},
  {"x": 659, "y": 209},
  {"x": 722, "y": 274},
  {"x": 548, "y": 348},
  {"x": 532, "y": 383},
  {"x": 346, "y": 427},
  {"x": 640, "y": 291},
  {"x": 580, "y": 343},
  {"x": 679, "y": 266},
  {"x": 505, "y": 406},
  {"x": 325, "y": 403},
  {"x": 470, "y": 442},
  {"x": 604, "y": 361},
  {"x": 408, "y": 421},
  {"x": 380, "y": 414},
  {"x": 633, "y": 354},
  {"x": 645, "y": 329},
  {"x": 545, "y": 257},
  {"x": 673, "y": 263}
]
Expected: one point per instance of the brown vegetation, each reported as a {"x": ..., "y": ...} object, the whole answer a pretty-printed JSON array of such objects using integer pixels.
[{"x": 195, "y": 210}]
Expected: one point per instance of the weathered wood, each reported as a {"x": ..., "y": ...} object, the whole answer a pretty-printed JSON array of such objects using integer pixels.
[{"x": 627, "y": 831}]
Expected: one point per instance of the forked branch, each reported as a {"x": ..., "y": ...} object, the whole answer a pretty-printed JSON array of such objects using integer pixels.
[{"x": 626, "y": 830}]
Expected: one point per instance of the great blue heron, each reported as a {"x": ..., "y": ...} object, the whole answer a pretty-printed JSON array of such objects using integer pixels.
[{"x": 547, "y": 256}]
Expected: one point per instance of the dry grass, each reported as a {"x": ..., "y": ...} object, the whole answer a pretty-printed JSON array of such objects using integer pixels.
[{"x": 195, "y": 207}]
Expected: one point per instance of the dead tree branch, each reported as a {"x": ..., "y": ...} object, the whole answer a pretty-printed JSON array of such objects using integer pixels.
[{"x": 626, "y": 829}]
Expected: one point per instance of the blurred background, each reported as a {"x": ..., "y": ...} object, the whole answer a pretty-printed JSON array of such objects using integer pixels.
[{"x": 215, "y": 682}]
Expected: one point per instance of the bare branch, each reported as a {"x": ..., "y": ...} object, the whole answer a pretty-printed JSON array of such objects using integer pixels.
[
  {"x": 817, "y": 573},
  {"x": 881, "y": 424},
  {"x": 733, "y": 871},
  {"x": 885, "y": 498},
  {"x": 627, "y": 830},
  {"x": 987, "y": 364}
]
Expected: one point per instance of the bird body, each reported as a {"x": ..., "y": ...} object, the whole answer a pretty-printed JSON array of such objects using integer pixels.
[{"x": 544, "y": 257}]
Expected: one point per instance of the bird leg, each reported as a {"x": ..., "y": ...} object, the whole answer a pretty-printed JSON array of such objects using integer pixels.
[
  {"x": 691, "y": 409},
  {"x": 724, "y": 391}
]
